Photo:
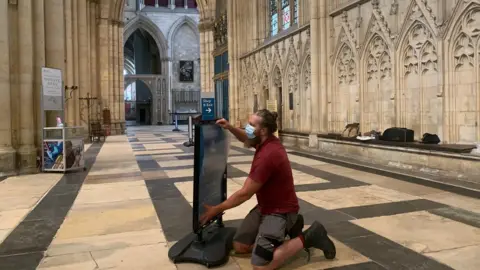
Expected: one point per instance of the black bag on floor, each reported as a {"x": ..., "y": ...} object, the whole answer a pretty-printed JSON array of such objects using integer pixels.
[
  {"x": 398, "y": 135},
  {"x": 430, "y": 138}
]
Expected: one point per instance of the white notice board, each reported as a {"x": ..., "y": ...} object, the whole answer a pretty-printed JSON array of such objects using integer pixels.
[{"x": 52, "y": 89}]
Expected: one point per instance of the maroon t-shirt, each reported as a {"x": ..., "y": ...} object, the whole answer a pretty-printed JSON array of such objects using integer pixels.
[{"x": 271, "y": 167}]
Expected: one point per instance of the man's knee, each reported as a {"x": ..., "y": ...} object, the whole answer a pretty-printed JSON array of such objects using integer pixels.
[
  {"x": 264, "y": 250},
  {"x": 242, "y": 248}
]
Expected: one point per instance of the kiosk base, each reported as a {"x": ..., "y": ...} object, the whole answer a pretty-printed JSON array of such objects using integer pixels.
[
  {"x": 188, "y": 144},
  {"x": 212, "y": 250}
]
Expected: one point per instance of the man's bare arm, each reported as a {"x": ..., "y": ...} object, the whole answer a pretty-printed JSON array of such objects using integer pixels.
[
  {"x": 239, "y": 133},
  {"x": 244, "y": 194}
]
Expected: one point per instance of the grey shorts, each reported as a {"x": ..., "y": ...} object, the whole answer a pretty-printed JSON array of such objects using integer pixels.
[{"x": 265, "y": 233}]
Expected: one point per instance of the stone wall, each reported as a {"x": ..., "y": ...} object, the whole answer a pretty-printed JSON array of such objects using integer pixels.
[
  {"x": 384, "y": 63},
  {"x": 186, "y": 47},
  {"x": 177, "y": 36}
]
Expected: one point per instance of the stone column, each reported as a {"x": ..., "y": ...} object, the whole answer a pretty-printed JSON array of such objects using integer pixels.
[
  {"x": 156, "y": 3},
  {"x": 172, "y": 4},
  {"x": 121, "y": 78},
  {"x": 76, "y": 63},
  {"x": 54, "y": 42},
  {"x": 103, "y": 59},
  {"x": 114, "y": 98},
  {"x": 111, "y": 67},
  {"x": 323, "y": 67},
  {"x": 69, "y": 82},
  {"x": 39, "y": 41},
  {"x": 7, "y": 153},
  {"x": 27, "y": 151},
  {"x": 185, "y": 3},
  {"x": 94, "y": 86},
  {"x": 315, "y": 79},
  {"x": 84, "y": 83},
  {"x": 206, "y": 58}
]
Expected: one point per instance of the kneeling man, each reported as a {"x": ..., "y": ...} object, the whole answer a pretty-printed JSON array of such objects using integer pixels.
[{"x": 264, "y": 229}]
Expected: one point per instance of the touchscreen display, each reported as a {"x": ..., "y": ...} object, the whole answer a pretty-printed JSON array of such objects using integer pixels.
[{"x": 210, "y": 165}]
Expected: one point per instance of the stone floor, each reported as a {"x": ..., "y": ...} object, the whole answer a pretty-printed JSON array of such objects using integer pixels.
[{"x": 135, "y": 201}]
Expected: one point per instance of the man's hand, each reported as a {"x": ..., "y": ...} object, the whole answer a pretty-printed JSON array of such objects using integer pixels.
[
  {"x": 223, "y": 123},
  {"x": 211, "y": 212}
]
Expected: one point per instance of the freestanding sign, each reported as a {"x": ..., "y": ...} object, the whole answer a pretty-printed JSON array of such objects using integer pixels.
[
  {"x": 52, "y": 88},
  {"x": 208, "y": 109}
]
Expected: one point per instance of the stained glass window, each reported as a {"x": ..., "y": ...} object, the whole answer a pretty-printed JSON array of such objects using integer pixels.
[
  {"x": 273, "y": 17},
  {"x": 286, "y": 14}
]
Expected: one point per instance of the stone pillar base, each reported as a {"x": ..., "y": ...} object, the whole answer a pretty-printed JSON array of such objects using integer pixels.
[
  {"x": 313, "y": 141},
  {"x": 7, "y": 161},
  {"x": 27, "y": 159},
  {"x": 117, "y": 128}
]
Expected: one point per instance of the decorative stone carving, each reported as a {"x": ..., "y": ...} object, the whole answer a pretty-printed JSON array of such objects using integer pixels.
[
  {"x": 220, "y": 28},
  {"x": 394, "y": 8},
  {"x": 307, "y": 73},
  {"x": 378, "y": 59},
  {"x": 346, "y": 69},
  {"x": 420, "y": 54},
  {"x": 430, "y": 13},
  {"x": 349, "y": 33},
  {"x": 382, "y": 22},
  {"x": 277, "y": 77}
]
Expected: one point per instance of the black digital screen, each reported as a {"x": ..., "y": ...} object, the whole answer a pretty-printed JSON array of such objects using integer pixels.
[{"x": 210, "y": 162}]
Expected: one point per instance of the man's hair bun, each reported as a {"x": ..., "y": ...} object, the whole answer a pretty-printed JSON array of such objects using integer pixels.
[{"x": 274, "y": 116}]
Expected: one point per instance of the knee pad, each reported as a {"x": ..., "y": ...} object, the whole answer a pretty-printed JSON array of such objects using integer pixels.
[{"x": 266, "y": 246}]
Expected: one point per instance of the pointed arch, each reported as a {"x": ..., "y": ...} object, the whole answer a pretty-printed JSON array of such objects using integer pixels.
[
  {"x": 378, "y": 89},
  {"x": 143, "y": 22},
  {"x": 184, "y": 20},
  {"x": 419, "y": 79},
  {"x": 463, "y": 100},
  {"x": 343, "y": 40},
  {"x": 344, "y": 108}
]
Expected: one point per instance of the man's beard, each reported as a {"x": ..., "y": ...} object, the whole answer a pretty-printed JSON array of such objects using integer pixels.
[{"x": 249, "y": 143}]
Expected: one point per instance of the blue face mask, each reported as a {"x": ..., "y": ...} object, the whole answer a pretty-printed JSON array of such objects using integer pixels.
[{"x": 250, "y": 130}]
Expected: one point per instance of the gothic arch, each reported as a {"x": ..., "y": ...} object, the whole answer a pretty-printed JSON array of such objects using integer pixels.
[
  {"x": 344, "y": 108},
  {"x": 419, "y": 105},
  {"x": 413, "y": 17},
  {"x": 463, "y": 100},
  {"x": 143, "y": 22},
  {"x": 378, "y": 89},
  {"x": 184, "y": 20},
  {"x": 290, "y": 79}
]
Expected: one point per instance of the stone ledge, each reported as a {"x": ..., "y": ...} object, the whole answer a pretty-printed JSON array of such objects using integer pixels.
[{"x": 464, "y": 169}]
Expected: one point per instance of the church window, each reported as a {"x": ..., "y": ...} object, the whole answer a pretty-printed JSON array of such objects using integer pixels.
[
  {"x": 273, "y": 17},
  {"x": 283, "y": 14},
  {"x": 286, "y": 14}
]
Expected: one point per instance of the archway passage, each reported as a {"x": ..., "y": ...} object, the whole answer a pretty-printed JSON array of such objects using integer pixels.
[{"x": 142, "y": 57}]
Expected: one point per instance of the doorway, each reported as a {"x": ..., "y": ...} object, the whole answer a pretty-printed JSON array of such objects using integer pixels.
[{"x": 142, "y": 116}]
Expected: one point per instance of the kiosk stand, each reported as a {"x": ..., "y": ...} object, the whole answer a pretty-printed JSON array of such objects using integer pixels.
[
  {"x": 208, "y": 244},
  {"x": 63, "y": 147}
]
